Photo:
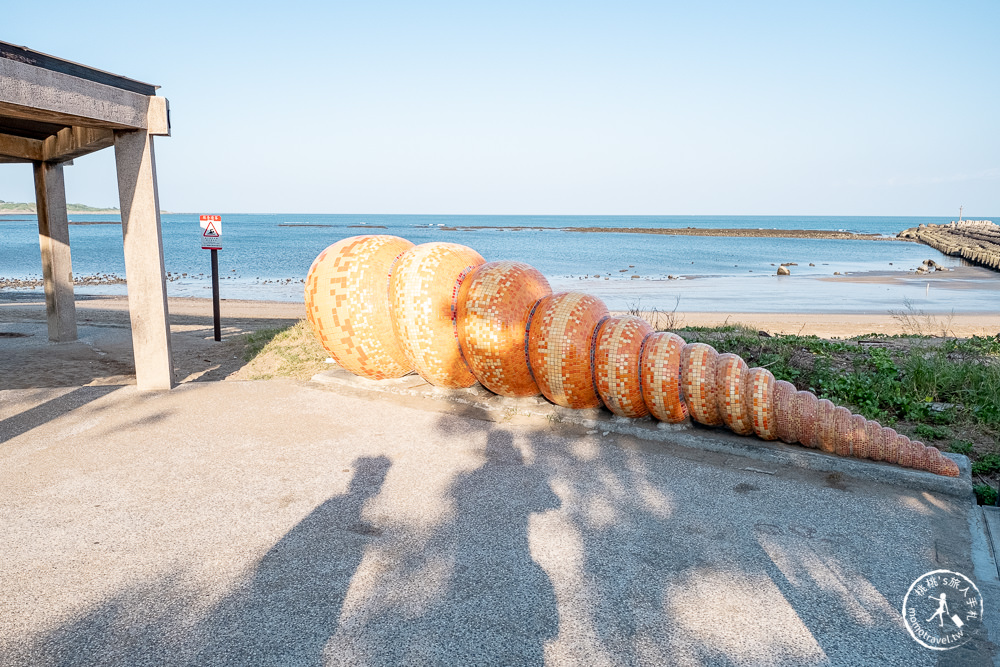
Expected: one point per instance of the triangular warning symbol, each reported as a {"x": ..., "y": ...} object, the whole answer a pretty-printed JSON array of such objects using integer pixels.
[{"x": 210, "y": 230}]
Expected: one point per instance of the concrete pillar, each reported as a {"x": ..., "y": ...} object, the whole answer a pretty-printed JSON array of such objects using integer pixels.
[
  {"x": 144, "y": 271},
  {"x": 53, "y": 237}
]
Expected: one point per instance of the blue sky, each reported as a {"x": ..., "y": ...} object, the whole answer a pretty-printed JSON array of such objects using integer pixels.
[{"x": 781, "y": 108}]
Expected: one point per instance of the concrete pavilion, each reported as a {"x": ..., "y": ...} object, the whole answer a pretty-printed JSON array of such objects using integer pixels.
[{"x": 52, "y": 111}]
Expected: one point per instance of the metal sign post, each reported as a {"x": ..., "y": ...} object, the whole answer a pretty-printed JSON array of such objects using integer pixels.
[{"x": 211, "y": 239}]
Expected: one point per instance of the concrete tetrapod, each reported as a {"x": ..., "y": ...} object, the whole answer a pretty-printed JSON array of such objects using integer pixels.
[{"x": 457, "y": 319}]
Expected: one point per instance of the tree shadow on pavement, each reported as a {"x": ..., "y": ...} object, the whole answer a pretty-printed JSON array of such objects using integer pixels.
[
  {"x": 469, "y": 593},
  {"x": 290, "y": 607},
  {"x": 283, "y": 614}
]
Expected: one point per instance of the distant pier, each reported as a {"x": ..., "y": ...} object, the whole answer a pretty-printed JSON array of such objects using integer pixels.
[{"x": 977, "y": 241}]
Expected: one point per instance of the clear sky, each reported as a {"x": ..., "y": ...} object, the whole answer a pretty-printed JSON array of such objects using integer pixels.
[{"x": 797, "y": 108}]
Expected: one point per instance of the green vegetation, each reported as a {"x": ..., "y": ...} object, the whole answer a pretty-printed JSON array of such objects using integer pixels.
[
  {"x": 943, "y": 392},
  {"x": 289, "y": 352},
  {"x": 985, "y": 494},
  {"x": 29, "y": 207}
]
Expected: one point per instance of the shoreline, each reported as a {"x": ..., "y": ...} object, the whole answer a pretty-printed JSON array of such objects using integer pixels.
[
  {"x": 93, "y": 309},
  {"x": 735, "y": 232}
]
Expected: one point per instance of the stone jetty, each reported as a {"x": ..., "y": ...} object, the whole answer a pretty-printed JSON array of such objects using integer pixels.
[{"x": 977, "y": 241}]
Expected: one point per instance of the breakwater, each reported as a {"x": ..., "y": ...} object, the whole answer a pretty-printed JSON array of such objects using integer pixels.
[
  {"x": 977, "y": 241},
  {"x": 694, "y": 231}
]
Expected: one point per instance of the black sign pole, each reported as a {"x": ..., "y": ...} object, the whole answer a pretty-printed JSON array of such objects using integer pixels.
[{"x": 215, "y": 294}]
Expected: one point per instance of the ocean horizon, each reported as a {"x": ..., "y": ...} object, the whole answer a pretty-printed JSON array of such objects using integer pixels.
[{"x": 267, "y": 256}]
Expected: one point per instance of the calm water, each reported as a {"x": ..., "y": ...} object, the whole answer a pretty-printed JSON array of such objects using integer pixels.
[{"x": 261, "y": 259}]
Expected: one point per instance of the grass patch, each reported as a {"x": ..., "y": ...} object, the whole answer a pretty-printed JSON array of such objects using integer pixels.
[
  {"x": 942, "y": 392},
  {"x": 258, "y": 340},
  {"x": 985, "y": 494},
  {"x": 289, "y": 352}
]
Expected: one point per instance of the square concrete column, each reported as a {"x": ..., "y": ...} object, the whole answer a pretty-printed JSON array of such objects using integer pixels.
[
  {"x": 53, "y": 237},
  {"x": 144, "y": 271}
]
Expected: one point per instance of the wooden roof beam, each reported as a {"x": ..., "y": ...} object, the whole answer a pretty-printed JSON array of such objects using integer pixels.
[{"x": 19, "y": 149}]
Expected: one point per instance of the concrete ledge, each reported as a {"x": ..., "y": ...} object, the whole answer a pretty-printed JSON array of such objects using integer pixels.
[
  {"x": 40, "y": 94},
  {"x": 770, "y": 455}
]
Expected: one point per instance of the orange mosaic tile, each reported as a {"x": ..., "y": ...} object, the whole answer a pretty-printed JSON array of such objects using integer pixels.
[
  {"x": 940, "y": 464},
  {"x": 758, "y": 393},
  {"x": 423, "y": 293},
  {"x": 859, "y": 441},
  {"x": 698, "y": 372},
  {"x": 806, "y": 407},
  {"x": 922, "y": 457},
  {"x": 889, "y": 445},
  {"x": 617, "y": 370},
  {"x": 907, "y": 451},
  {"x": 843, "y": 431},
  {"x": 494, "y": 305},
  {"x": 786, "y": 416},
  {"x": 825, "y": 428},
  {"x": 347, "y": 304},
  {"x": 661, "y": 377},
  {"x": 560, "y": 343},
  {"x": 730, "y": 378}
]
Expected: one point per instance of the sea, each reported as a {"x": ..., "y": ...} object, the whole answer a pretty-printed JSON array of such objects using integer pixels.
[{"x": 267, "y": 257}]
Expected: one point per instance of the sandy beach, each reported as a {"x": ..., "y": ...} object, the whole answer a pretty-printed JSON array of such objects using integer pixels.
[
  {"x": 103, "y": 353},
  {"x": 246, "y": 315}
]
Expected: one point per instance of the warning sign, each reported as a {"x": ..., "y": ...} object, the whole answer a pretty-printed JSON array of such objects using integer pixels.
[{"x": 211, "y": 232}]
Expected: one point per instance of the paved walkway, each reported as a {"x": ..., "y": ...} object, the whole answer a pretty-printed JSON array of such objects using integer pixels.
[{"x": 239, "y": 523}]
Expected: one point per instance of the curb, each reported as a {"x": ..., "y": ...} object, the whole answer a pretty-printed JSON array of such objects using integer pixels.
[{"x": 776, "y": 454}]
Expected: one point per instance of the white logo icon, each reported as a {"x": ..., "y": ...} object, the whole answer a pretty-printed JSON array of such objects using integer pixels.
[{"x": 942, "y": 610}]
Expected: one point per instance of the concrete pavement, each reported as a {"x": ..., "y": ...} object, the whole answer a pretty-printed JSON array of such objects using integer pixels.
[{"x": 286, "y": 523}]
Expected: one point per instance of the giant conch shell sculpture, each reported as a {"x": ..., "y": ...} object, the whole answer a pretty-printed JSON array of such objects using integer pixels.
[{"x": 383, "y": 307}]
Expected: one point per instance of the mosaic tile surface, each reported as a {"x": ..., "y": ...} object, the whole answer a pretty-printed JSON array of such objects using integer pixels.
[
  {"x": 806, "y": 405},
  {"x": 560, "y": 344},
  {"x": 347, "y": 304},
  {"x": 843, "y": 431},
  {"x": 825, "y": 426},
  {"x": 494, "y": 305},
  {"x": 661, "y": 377},
  {"x": 698, "y": 382},
  {"x": 786, "y": 417},
  {"x": 887, "y": 445},
  {"x": 423, "y": 293},
  {"x": 759, "y": 396},
  {"x": 730, "y": 379},
  {"x": 616, "y": 364}
]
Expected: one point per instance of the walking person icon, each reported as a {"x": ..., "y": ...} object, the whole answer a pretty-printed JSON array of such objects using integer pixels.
[{"x": 941, "y": 610}]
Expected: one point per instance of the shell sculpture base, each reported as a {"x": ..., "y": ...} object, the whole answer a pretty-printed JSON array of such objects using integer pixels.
[{"x": 382, "y": 307}]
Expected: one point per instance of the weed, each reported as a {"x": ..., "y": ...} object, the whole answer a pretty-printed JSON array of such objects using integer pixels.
[
  {"x": 289, "y": 352},
  {"x": 660, "y": 320},
  {"x": 931, "y": 433},
  {"x": 255, "y": 341},
  {"x": 915, "y": 322},
  {"x": 985, "y": 494},
  {"x": 988, "y": 464},
  {"x": 960, "y": 447}
]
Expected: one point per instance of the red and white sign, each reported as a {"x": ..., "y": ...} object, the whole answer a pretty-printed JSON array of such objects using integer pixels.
[{"x": 211, "y": 232}]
